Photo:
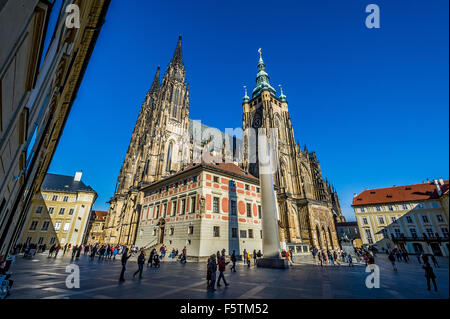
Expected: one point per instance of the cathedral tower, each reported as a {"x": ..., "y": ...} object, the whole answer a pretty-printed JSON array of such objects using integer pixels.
[{"x": 304, "y": 204}]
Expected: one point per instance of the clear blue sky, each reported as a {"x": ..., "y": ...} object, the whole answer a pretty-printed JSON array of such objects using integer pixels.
[{"x": 373, "y": 103}]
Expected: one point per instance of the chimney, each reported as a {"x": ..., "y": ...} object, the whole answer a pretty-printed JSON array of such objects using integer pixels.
[
  {"x": 77, "y": 177},
  {"x": 438, "y": 187},
  {"x": 354, "y": 195},
  {"x": 441, "y": 181},
  {"x": 428, "y": 180}
]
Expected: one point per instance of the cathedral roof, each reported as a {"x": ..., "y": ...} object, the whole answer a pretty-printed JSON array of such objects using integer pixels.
[{"x": 394, "y": 194}]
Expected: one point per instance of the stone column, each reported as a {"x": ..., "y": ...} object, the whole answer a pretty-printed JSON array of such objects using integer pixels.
[{"x": 271, "y": 237}]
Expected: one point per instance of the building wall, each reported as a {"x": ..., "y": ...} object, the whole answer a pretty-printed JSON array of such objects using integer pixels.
[
  {"x": 383, "y": 220},
  {"x": 72, "y": 223},
  {"x": 22, "y": 32},
  {"x": 201, "y": 240},
  {"x": 33, "y": 119}
]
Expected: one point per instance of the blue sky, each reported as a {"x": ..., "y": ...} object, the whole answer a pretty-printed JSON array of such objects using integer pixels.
[{"x": 372, "y": 103}]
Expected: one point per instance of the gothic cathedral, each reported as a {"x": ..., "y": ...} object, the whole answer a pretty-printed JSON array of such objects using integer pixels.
[{"x": 162, "y": 144}]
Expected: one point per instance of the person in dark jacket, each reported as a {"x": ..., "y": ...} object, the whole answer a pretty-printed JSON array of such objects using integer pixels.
[
  {"x": 429, "y": 274},
  {"x": 150, "y": 259},
  {"x": 233, "y": 260},
  {"x": 140, "y": 262},
  {"x": 124, "y": 260},
  {"x": 212, "y": 269}
]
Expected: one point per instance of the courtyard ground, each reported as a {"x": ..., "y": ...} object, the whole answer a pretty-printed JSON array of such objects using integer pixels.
[{"x": 43, "y": 277}]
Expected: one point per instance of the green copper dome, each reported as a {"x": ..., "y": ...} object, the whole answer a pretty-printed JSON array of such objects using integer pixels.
[{"x": 262, "y": 79}]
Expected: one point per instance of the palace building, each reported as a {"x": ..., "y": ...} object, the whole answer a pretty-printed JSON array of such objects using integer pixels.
[
  {"x": 411, "y": 217},
  {"x": 206, "y": 207},
  {"x": 163, "y": 147}
]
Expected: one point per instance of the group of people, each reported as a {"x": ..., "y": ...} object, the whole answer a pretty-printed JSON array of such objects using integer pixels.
[
  {"x": 336, "y": 257},
  {"x": 218, "y": 261}
]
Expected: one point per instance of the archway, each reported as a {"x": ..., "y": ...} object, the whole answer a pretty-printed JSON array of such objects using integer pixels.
[
  {"x": 326, "y": 237},
  {"x": 331, "y": 238},
  {"x": 319, "y": 238}
]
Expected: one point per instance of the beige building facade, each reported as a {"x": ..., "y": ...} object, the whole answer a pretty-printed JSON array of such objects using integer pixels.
[
  {"x": 59, "y": 213},
  {"x": 411, "y": 217}
]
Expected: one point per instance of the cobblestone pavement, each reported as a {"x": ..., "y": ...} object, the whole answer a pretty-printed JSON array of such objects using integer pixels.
[{"x": 43, "y": 277}]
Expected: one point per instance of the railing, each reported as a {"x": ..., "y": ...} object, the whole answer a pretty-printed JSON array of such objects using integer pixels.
[
  {"x": 424, "y": 238},
  {"x": 150, "y": 244}
]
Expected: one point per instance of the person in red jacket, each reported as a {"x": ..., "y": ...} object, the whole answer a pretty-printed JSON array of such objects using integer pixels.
[{"x": 222, "y": 266}]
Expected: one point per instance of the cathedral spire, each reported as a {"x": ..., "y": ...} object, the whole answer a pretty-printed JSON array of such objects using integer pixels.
[
  {"x": 177, "y": 58},
  {"x": 155, "y": 84},
  {"x": 262, "y": 78}
]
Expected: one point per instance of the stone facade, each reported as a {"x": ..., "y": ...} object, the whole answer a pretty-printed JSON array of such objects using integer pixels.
[
  {"x": 162, "y": 143},
  {"x": 95, "y": 227}
]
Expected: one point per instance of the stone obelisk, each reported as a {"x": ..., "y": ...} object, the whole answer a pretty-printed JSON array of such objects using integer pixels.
[{"x": 271, "y": 239}]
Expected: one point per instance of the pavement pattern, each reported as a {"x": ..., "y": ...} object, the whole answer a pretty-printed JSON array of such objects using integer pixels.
[{"x": 45, "y": 278}]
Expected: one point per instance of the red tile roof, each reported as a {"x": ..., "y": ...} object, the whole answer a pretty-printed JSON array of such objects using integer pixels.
[
  {"x": 400, "y": 194},
  {"x": 99, "y": 214},
  {"x": 219, "y": 166}
]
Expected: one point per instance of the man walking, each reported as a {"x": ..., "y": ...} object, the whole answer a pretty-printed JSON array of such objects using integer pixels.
[
  {"x": 141, "y": 262},
  {"x": 124, "y": 260},
  {"x": 429, "y": 274},
  {"x": 233, "y": 260}
]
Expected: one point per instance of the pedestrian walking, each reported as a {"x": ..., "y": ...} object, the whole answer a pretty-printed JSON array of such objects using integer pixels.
[
  {"x": 140, "y": 262},
  {"x": 350, "y": 260},
  {"x": 124, "y": 260},
  {"x": 392, "y": 260},
  {"x": 212, "y": 269},
  {"x": 222, "y": 267},
  {"x": 233, "y": 261},
  {"x": 429, "y": 274},
  {"x": 249, "y": 258},
  {"x": 254, "y": 256},
  {"x": 244, "y": 256}
]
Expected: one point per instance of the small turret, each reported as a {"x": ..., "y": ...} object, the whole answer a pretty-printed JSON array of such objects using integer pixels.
[
  {"x": 246, "y": 98},
  {"x": 282, "y": 97}
]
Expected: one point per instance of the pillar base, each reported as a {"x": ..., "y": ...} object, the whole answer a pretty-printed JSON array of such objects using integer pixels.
[{"x": 277, "y": 263}]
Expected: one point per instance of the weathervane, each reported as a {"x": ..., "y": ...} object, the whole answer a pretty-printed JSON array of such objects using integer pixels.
[
  {"x": 260, "y": 54},
  {"x": 245, "y": 88}
]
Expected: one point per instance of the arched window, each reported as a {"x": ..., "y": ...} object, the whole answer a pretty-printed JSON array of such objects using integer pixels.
[
  {"x": 169, "y": 157},
  {"x": 174, "y": 111}
]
